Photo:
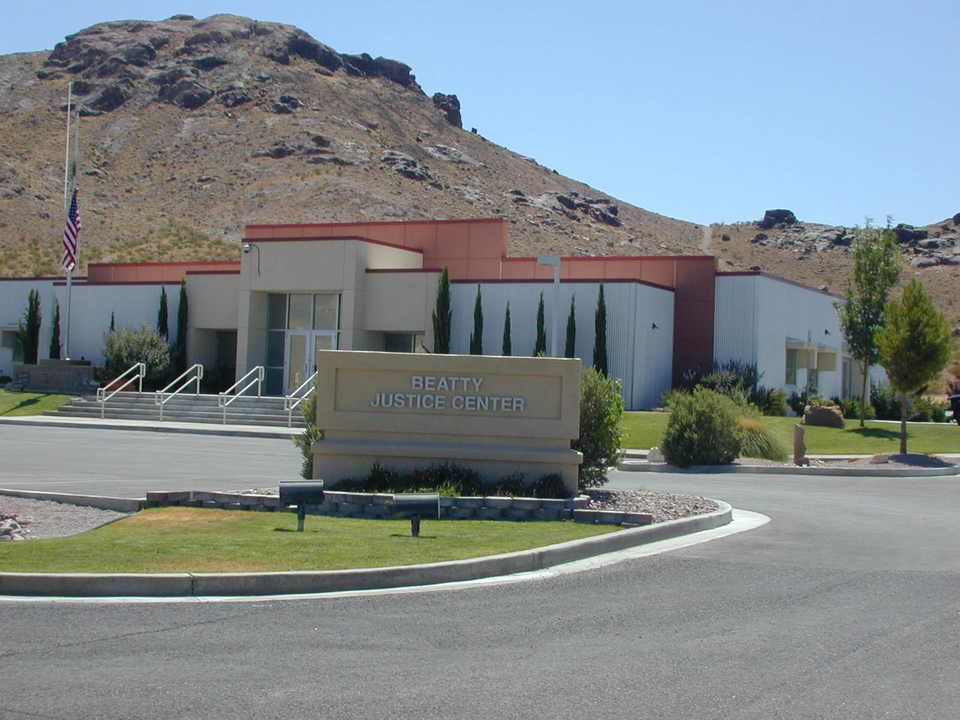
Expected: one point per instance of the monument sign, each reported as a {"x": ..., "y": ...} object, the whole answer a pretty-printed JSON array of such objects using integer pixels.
[{"x": 497, "y": 415}]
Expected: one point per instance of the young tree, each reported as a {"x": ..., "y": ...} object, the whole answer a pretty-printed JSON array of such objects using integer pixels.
[
  {"x": 28, "y": 330},
  {"x": 55, "y": 333},
  {"x": 507, "y": 348},
  {"x": 179, "y": 359},
  {"x": 600, "y": 335},
  {"x": 113, "y": 322},
  {"x": 540, "y": 348},
  {"x": 476, "y": 337},
  {"x": 162, "y": 328},
  {"x": 876, "y": 270},
  {"x": 914, "y": 344},
  {"x": 570, "y": 349},
  {"x": 442, "y": 315}
]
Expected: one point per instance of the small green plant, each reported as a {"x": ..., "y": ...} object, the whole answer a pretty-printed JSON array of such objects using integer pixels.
[
  {"x": 550, "y": 486},
  {"x": 703, "y": 429},
  {"x": 311, "y": 434},
  {"x": 601, "y": 426},
  {"x": 853, "y": 408}
]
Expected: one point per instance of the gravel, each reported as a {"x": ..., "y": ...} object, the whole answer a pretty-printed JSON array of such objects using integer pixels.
[
  {"x": 663, "y": 506},
  {"x": 49, "y": 519}
]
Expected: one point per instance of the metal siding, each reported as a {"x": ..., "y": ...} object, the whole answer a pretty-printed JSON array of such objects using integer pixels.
[{"x": 736, "y": 332}]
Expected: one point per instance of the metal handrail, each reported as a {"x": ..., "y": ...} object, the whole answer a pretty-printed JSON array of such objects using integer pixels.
[
  {"x": 291, "y": 401},
  {"x": 159, "y": 398},
  {"x": 222, "y": 400},
  {"x": 102, "y": 396}
]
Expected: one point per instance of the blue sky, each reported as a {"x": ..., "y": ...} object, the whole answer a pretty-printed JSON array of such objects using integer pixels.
[{"x": 705, "y": 111}]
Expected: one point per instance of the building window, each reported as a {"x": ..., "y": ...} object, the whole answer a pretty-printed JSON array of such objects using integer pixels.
[
  {"x": 792, "y": 364},
  {"x": 813, "y": 381},
  {"x": 399, "y": 342}
]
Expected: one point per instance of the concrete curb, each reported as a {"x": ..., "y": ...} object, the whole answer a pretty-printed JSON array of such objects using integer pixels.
[
  {"x": 283, "y": 583},
  {"x": 643, "y": 466},
  {"x": 125, "y": 505},
  {"x": 146, "y": 426}
]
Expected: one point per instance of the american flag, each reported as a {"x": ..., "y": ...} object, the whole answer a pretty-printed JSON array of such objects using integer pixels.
[{"x": 71, "y": 233}]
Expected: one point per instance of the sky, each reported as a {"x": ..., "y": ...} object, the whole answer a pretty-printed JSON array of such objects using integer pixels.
[{"x": 705, "y": 111}]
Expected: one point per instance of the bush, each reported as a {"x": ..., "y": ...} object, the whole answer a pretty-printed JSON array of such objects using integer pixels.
[
  {"x": 550, "y": 486},
  {"x": 450, "y": 480},
  {"x": 758, "y": 442},
  {"x": 770, "y": 401},
  {"x": 851, "y": 408},
  {"x": 601, "y": 432},
  {"x": 124, "y": 348},
  {"x": 310, "y": 435},
  {"x": 920, "y": 409},
  {"x": 703, "y": 429}
]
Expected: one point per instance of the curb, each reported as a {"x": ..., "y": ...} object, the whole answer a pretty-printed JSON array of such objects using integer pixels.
[
  {"x": 643, "y": 466},
  {"x": 125, "y": 505},
  {"x": 200, "y": 429},
  {"x": 309, "y": 581}
]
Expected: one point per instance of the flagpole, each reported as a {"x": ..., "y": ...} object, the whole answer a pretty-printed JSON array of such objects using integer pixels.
[{"x": 66, "y": 209}]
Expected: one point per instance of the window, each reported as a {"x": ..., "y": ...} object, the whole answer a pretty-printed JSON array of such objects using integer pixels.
[{"x": 792, "y": 364}]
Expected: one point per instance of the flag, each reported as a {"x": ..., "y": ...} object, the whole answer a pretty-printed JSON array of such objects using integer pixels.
[{"x": 71, "y": 234}]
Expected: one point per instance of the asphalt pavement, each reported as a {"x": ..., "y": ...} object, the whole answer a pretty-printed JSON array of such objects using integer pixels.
[{"x": 844, "y": 606}]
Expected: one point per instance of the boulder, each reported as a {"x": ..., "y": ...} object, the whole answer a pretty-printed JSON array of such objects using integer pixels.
[
  {"x": 908, "y": 234},
  {"x": 924, "y": 261},
  {"x": 409, "y": 167},
  {"x": 450, "y": 105},
  {"x": 773, "y": 218},
  {"x": 187, "y": 94},
  {"x": 823, "y": 416},
  {"x": 112, "y": 97},
  {"x": 956, "y": 219}
]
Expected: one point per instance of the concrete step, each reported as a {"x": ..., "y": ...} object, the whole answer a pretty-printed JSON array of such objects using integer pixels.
[{"x": 278, "y": 420}]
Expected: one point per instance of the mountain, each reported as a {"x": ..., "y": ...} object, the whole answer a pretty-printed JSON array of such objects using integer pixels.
[{"x": 193, "y": 128}]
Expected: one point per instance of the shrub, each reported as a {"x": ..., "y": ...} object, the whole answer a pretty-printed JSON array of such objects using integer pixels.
[
  {"x": 450, "y": 479},
  {"x": 851, "y": 408},
  {"x": 702, "y": 429},
  {"x": 550, "y": 486},
  {"x": 601, "y": 432},
  {"x": 758, "y": 442},
  {"x": 771, "y": 402},
  {"x": 309, "y": 436},
  {"x": 885, "y": 402},
  {"x": 123, "y": 348}
]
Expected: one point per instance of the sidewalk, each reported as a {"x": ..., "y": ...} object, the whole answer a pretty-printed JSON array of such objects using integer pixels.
[{"x": 155, "y": 426}]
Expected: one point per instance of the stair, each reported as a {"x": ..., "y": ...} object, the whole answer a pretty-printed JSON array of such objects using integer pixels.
[{"x": 244, "y": 410}]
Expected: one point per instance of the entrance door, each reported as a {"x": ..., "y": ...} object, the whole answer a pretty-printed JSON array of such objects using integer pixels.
[{"x": 301, "y": 354}]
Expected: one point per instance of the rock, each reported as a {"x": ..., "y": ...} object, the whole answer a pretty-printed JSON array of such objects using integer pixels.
[
  {"x": 759, "y": 238},
  {"x": 823, "y": 416},
  {"x": 172, "y": 77},
  {"x": 112, "y": 97},
  {"x": 772, "y": 218},
  {"x": 409, "y": 167},
  {"x": 924, "y": 261},
  {"x": 320, "y": 141},
  {"x": 232, "y": 98},
  {"x": 756, "y": 268},
  {"x": 956, "y": 219},
  {"x": 908, "y": 235},
  {"x": 655, "y": 455},
  {"x": 140, "y": 54},
  {"x": 187, "y": 94},
  {"x": 82, "y": 87},
  {"x": 208, "y": 62},
  {"x": 956, "y": 331},
  {"x": 450, "y": 154},
  {"x": 931, "y": 244},
  {"x": 286, "y": 104},
  {"x": 450, "y": 105},
  {"x": 331, "y": 159},
  {"x": 278, "y": 150},
  {"x": 879, "y": 459},
  {"x": 725, "y": 237}
]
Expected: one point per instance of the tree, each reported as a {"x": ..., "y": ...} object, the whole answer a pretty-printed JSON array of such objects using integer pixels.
[
  {"x": 180, "y": 346},
  {"x": 540, "y": 348},
  {"x": 570, "y": 349},
  {"x": 601, "y": 429},
  {"x": 162, "y": 329},
  {"x": 442, "y": 315},
  {"x": 123, "y": 348},
  {"x": 55, "y": 333},
  {"x": 914, "y": 344},
  {"x": 507, "y": 344},
  {"x": 476, "y": 337},
  {"x": 875, "y": 273},
  {"x": 600, "y": 335},
  {"x": 113, "y": 322},
  {"x": 28, "y": 331}
]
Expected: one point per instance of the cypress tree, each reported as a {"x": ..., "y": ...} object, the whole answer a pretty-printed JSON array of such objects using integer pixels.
[
  {"x": 570, "y": 351},
  {"x": 541, "y": 347},
  {"x": 180, "y": 346},
  {"x": 113, "y": 322},
  {"x": 442, "y": 315},
  {"x": 55, "y": 334},
  {"x": 600, "y": 336},
  {"x": 476, "y": 338},
  {"x": 507, "y": 344},
  {"x": 162, "y": 329},
  {"x": 28, "y": 331}
]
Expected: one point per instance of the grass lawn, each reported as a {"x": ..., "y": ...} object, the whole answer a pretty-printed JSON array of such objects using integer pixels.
[
  {"x": 178, "y": 539},
  {"x": 26, "y": 403},
  {"x": 645, "y": 429}
]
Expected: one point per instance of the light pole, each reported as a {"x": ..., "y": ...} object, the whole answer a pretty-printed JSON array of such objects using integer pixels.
[{"x": 554, "y": 262}]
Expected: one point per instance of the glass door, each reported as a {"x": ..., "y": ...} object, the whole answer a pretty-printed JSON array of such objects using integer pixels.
[{"x": 301, "y": 354}]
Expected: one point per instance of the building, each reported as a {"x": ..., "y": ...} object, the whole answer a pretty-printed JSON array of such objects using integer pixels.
[{"x": 372, "y": 286}]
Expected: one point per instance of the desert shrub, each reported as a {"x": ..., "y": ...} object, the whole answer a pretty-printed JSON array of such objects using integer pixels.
[
  {"x": 601, "y": 431},
  {"x": 851, "y": 408},
  {"x": 123, "y": 348},
  {"x": 770, "y": 401},
  {"x": 798, "y": 401},
  {"x": 702, "y": 430},
  {"x": 757, "y": 441},
  {"x": 924, "y": 409},
  {"x": 511, "y": 485},
  {"x": 920, "y": 408},
  {"x": 309, "y": 436},
  {"x": 885, "y": 402}
]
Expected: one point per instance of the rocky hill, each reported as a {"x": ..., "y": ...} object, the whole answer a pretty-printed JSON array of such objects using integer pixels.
[{"x": 193, "y": 128}]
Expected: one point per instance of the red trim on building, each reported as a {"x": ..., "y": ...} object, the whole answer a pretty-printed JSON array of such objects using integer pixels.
[
  {"x": 254, "y": 241},
  {"x": 608, "y": 258},
  {"x": 165, "y": 264},
  {"x": 404, "y": 270},
  {"x": 41, "y": 277},
  {"x": 212, "y": 272},
  {"x": 563, "y": 281},
  {"x": 119, "y": 282},
  {"x": 379, "y": 222}
]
